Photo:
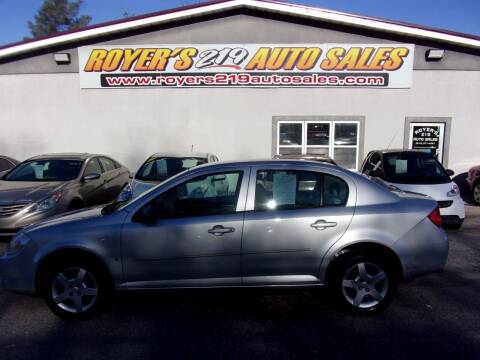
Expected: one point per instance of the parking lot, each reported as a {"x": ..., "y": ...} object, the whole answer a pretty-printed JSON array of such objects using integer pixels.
[{"x": 434, "y": 317}]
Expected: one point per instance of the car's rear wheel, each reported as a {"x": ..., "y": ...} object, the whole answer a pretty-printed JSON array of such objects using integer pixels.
[
  {"x": 476, "y": 193},
  {"x": 76, "y": 290},
  {"x": 362, "y": 283}
]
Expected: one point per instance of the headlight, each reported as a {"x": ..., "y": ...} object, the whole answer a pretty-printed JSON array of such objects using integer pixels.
[
  {"x": 126, "y": 193},
  {"x": 18, "y": 243},
  {"x": 454, "y": 191},
  {"x": 46, "y": 204}
]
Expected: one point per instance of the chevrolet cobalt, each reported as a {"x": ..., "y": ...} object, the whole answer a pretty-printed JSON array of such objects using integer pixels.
[{"x": 243, "y": 224}]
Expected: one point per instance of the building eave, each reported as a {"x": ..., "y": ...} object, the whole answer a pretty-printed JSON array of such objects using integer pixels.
[{"x": 218, "y": 7}]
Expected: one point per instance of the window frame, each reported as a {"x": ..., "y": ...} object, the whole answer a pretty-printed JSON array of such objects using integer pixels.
[{"x": 332, "y": 121}]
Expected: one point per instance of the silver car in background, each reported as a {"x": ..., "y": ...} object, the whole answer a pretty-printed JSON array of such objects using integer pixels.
[
  {"x": 243, "y": 224},
  {"x": 51, "y": 184},
  {"x": 161, "y": 166}
]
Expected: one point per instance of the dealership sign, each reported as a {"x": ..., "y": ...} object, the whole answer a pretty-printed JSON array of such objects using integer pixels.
[{"x": 252, "y": 65}]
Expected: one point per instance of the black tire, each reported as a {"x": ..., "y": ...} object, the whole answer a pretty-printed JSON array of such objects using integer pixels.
[
  {"x": 94, "y": 277},
  {"x": 347, "y": 268}
]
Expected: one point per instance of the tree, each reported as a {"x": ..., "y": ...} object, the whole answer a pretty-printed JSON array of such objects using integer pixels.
[{"x": 58, "y": 15}]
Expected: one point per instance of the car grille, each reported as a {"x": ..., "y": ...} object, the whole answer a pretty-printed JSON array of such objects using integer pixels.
[
  {"x": 444, "y": 204},
  {"x": 11, "y": 209},
  {"x": 7, "y": 234}
]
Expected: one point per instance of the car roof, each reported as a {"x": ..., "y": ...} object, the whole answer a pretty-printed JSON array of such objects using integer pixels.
[
  {"x": 266, "y": 162},
  {"x": 69, "y": 156},
  {"x": 304, "y": 157},
  {"x": 181, "y": 154},
  {"x": 387, "y": 151}
]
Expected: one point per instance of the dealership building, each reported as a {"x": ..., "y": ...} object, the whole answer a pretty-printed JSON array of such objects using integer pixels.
[{"x": 243, "y": 79}]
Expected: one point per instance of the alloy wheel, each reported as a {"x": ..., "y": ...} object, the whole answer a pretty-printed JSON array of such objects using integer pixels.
[
  {"x": 74, "y": 290},
  {"x": 364, "y": 285}
]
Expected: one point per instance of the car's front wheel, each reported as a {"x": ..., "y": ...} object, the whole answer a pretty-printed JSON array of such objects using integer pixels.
[
  {"x": 362, "y": 283},
  {"x": 76, "y": 290}
]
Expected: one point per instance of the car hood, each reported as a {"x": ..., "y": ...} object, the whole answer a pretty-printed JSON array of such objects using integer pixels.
[
  {"x": 139, "y": 187},
  {"x": 68, "y": 217},
  {"x": 435, "y": 191},
  {"x": 23, "y": 191}
]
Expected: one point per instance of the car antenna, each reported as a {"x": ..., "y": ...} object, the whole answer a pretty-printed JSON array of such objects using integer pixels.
[
  {"x": 391, "y": 140},
  {"x": 191, "y": 150}
]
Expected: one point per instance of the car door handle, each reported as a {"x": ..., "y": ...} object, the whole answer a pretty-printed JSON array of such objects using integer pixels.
[
  {"x": 218, "y": 230},
  {"x": 322, "y": 224}
]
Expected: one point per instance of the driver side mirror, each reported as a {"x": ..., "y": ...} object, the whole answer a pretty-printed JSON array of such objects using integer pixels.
[
  {"x": 375, "y": 173},
  {"x": 450, "y": 172},
  {"x": 90, "y": 177},
  {"x": 146, "y": 215}
]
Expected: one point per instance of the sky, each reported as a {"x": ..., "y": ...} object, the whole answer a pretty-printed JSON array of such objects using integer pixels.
[{"x": 457, "y": 15}]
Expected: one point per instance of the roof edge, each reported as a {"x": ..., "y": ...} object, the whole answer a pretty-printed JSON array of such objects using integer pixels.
[{"x": 219, "y": 6}]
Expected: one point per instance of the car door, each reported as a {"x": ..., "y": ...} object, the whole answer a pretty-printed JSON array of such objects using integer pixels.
[
  {"x": 111, "y": 177},
  {"x": 194, "y": 236},
  {"x": 293, "y": 216},
  {"x": 93, "y": 191}
]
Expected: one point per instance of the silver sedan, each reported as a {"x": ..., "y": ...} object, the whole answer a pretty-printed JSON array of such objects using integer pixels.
[{"x": 243, "y": 224}]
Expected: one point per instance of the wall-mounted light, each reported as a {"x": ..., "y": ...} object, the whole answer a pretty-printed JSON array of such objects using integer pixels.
[
  {"x": 434, "y": 54},
  {"x": 62, "y": 58}
]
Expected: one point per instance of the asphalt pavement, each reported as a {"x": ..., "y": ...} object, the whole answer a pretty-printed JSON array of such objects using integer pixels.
[{"x": 434, "y": 317}]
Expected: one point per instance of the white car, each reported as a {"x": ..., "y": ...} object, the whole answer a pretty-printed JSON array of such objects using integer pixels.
[
  {"x": 419, "y": 172},
  {"x": 161, "y": 166}
]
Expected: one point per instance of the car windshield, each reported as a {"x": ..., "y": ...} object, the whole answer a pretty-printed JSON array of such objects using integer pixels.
[
  {"x": 159, "y": 169},
  {"x": 45, "y": 170},
  {"x": 413, "y": 168}
]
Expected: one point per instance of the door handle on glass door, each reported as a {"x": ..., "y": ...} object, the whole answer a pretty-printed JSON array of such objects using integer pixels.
[
  {"x": 322, "y": 224},
  {"x": 218, "y": 230}
]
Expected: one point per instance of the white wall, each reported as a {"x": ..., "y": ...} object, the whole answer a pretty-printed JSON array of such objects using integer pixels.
[{"x": 41, "y": 113}]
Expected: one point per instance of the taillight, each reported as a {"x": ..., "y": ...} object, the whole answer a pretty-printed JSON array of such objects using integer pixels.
[{"x": 435, "y": 217}]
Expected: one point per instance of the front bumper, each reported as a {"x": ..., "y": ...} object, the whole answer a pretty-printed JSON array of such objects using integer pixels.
[{"x": 17, "y": 272}]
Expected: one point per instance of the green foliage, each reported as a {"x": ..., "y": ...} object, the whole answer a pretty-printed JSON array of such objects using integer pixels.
[{"x": 58, "y": 15}]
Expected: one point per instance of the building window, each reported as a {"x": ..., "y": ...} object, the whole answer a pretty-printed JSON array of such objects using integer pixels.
[{"x": 338, "y": 139}]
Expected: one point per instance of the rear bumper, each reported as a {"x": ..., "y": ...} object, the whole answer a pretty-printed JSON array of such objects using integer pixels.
[
  {"x": 452, "y": 220},
  {"x": 455, "y": 209},
  {"x": 423, "y": 250}
]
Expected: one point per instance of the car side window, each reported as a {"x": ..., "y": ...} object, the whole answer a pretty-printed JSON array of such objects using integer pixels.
[
  {"x": 93, "y": 167},
  {"x": 335, "y": 191},
  {"x": 213, "y": 194},
  {"x": 287, "y": 190},
  {"x": 292, "y": 189},
  {"x": 107, "y": 164}
]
